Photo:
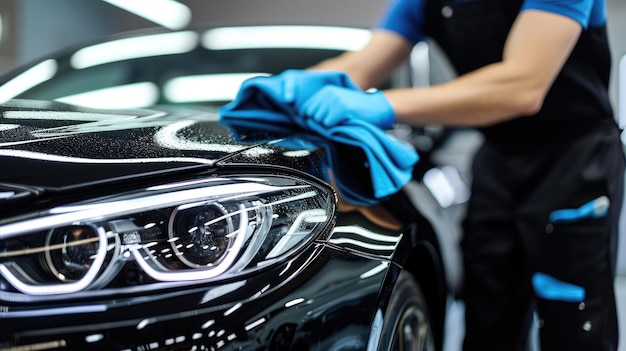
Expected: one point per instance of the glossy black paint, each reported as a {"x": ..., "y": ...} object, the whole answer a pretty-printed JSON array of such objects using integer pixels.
[
  {"x": 249, "y": 313},
  {"x": 325, "y": 297}
]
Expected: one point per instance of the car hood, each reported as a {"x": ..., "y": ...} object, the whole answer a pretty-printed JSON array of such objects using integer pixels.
[{"x": 54, "y": 146}]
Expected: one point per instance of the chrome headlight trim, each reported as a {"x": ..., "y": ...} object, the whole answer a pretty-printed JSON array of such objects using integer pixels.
[
  {"x": 11, "y": 271},
  {"x": 66, "y": 215},
  {"x": 196, "y": 230}
]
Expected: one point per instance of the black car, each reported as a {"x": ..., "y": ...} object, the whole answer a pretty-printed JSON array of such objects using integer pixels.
[{"x": 162, "y": 228}]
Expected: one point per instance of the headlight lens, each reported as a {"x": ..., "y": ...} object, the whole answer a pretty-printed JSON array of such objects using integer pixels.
[
  {"x": 204, "y": 234},
  {"x": 197, "y": 230},
  {"x": 73, "y": 251}
]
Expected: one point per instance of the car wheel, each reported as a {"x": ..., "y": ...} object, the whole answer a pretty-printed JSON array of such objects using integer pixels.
[{"x": 408, "y": 325}]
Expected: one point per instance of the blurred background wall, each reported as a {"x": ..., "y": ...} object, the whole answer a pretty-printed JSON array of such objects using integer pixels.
[{"x": 31, "y": 28}]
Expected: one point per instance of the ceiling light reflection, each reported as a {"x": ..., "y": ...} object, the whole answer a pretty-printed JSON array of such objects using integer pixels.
[
  {"x": 373, "y": 247},
  {"x": 28, "y": 79},
  {"x": 294, "y": 302},
  {"x": 137, "y": 95},
  {"x": 94, "y": 338},
  {"x": 297, "y": 153},
  {"x": 360, "y": 231},
  {"x": 233, "y": 309},
  {"x": 255, "y": 324},
  {"x": 208, "y": 87},
  {"x": 167, "y": 13},
  {"x": 132, "y": 48},
  {"x": 376, "y": 270},
  {"x": 144, "y": 323},
  {"x": 285, "y": 269},
  {"x": 220, "y": 291},
  {"x": 309, "y": 37},
  {"x": 168, "y": 137},
  {"x": 6, "y": 195},
  {"x": 208, "y": 324}
]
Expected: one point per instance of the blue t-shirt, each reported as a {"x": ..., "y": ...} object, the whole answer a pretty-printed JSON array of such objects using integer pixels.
[{"x": 406, "y": 17}]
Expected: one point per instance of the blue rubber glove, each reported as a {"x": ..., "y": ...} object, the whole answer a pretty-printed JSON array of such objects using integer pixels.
[
  {"x": 283, "y": 95},
  {"x": 333, "y": 105},
  {"x": 297, "y": 86}
]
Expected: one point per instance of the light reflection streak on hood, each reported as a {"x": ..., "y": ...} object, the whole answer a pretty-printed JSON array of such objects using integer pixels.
[
  {"x": 69, "y": 159},
  {"x": 220, "y": 291},
  {"x": 167, "y": 137},
  {"x": 24, "y": 142},
  {"x": 94, "y": 122},
  {"x": 351, "y": 229},
  {"x": 376, "y": 270},
  {"x": 103, "y": 126},
  {"x": 376, "y": 243},
  {"x": 375, "y": 247}
]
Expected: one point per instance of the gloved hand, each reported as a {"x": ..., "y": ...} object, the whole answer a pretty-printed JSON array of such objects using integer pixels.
[
  {"x": 297, "y": 86},
  {"x": 280, "y": 96},
  {"x": 333, "y": 105},
  {"x": 283, "y": 94}
]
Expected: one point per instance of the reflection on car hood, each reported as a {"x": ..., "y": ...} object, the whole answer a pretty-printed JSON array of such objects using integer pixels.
[{"x": 48, "y": 145}]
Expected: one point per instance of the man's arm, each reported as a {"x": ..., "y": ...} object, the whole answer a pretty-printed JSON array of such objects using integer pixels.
[
  {"x": 536, "y": 49},
  {"x": 372, "y": 65}
]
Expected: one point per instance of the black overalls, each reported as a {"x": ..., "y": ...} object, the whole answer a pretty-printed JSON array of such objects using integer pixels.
[{"x": 541, "y": 226}]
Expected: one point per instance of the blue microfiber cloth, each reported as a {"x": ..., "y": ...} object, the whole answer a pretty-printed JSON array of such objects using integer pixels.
[
  {"x": 276, "y": 101},
  {"x": 354, "y": 191}
]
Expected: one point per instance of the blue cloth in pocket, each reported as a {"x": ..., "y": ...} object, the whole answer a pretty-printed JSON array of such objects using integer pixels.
[
  {"x": 596, "y": 208},
  {"x": 550, "y": 288}
]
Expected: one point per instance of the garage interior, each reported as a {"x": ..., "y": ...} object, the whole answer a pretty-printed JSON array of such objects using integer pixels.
[{"x": 32, "y": 28}]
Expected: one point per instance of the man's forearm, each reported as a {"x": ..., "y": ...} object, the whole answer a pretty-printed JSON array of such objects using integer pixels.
[
  {"x": 536, "y": 49},
  {"x": 489, "y": 95}
]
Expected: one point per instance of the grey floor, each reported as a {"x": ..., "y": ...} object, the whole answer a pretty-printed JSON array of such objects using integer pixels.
[{"x": 455, "y": 329}]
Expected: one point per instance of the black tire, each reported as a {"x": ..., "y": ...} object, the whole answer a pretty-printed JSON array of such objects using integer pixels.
[{"x": 407, "y": 325}]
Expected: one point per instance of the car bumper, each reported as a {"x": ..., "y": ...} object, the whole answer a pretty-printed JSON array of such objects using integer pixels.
[{"x": 322, "y": 299}]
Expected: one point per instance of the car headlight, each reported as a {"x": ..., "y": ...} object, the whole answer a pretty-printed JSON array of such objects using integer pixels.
[{"x": 188, "y": 231}]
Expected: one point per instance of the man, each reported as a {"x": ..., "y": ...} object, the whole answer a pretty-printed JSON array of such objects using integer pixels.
[{"x": 547, "y": 189}]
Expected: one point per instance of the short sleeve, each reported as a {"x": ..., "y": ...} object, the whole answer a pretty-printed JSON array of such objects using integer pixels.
[
  {"x": 405, "y": 17},
  {"x": 586, "y": 12}
]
